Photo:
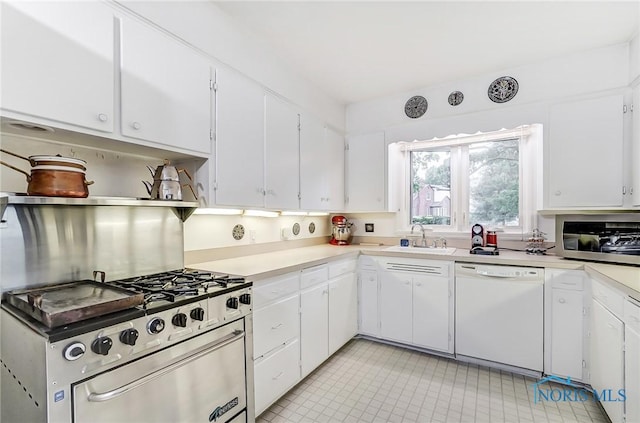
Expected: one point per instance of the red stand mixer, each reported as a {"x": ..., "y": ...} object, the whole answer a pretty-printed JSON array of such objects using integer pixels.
[{"x": 340, "y": 231}]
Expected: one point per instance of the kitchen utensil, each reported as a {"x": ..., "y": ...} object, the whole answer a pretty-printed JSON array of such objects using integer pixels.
[
  {"x": 341, "y": 231},
  {"x": 54, "y": 176},
  {"x": 166, "y": 182}
]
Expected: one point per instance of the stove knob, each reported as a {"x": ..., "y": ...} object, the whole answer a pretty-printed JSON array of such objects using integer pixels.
[
  {"x": 179, "y": 319},
  {"x": 232, "y": 303},
  {"x": 129, "y": 336},
  {"x": 245, "y": 299},
  {"x": 101, "y": 345},
  {"x": 197, "y": 314},
  {"x": 155, "y": 326},
  {"x": 74, "y": 351}
]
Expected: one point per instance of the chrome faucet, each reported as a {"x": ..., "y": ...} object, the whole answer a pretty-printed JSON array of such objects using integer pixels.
[{"x": 424, "y": 236}]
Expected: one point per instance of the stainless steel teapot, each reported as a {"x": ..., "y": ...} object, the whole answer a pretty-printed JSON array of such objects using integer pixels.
[{"x": 166, "y": 182}]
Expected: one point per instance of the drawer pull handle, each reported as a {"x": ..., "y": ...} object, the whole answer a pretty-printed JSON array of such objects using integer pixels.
[
  {"x": 562, "y": 301},
  {"x": 276, "y": 326},
  {"x": 611, "y": 326},
  {"x": 277, "y": 291},
  {"x": 278, "y": 376},
  {"x": 635, "y": 318}
]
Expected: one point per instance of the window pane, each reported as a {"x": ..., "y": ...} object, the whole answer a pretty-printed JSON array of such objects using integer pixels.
[
  {"x": 494, "y": 170},
  {"x": 431, "y": 187}
]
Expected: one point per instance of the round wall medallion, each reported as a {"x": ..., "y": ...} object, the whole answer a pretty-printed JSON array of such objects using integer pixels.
[
  {"x": 416, "y": 106},
  {"x": 456, "y": 98},
  {"x": 296, "y": 229},
  {"x": 312, "y": 227},
  {"x": 503, "y": 89},
  {"x": 238, "y": 232}
]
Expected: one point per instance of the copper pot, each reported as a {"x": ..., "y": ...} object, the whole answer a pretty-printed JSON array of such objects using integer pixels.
[{"x": 54, "y": 176}]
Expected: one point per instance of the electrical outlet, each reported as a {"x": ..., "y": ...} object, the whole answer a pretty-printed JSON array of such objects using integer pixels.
[
  {"x": 252, "y": 236},
  {"x": 368, "y": 227}
]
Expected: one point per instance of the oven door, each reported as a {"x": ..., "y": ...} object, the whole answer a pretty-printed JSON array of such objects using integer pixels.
[{"x": 199, "y": 380}]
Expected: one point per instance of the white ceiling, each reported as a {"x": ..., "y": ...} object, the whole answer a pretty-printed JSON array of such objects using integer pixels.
[{"x": 359, "y": 50}]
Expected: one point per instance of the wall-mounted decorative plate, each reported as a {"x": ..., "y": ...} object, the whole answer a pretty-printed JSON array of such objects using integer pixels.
[
  {"x": 503, "y": 89},
  {"x": 296, "y": 229},
  {"x": 416, "y": 106},
  {"x": 312, "y": 227},
  {"x": 455, "y": 98},
  {"x": 238, "y": 232}
]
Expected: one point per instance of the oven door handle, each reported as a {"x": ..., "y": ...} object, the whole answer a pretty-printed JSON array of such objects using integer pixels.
[{"x": 109, "y": 395}]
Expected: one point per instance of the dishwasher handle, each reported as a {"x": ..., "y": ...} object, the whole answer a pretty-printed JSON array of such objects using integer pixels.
[{"x": 109, "y": 395}]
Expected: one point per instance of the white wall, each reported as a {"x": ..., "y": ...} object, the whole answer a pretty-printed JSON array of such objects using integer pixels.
[
  {"x": 206, "y": 26},
  {"x": 540, "y": 84},
  {"x": 203, "y": 232}
]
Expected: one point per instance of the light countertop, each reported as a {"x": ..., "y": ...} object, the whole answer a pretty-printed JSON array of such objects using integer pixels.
[{"x": 267, "y": 265}]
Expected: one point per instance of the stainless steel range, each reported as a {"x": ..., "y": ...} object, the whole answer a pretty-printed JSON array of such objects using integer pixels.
[{"x": 170, "y": 346}]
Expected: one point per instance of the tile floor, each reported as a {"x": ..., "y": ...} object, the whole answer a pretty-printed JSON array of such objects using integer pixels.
[{"x": 368, "y": 381}]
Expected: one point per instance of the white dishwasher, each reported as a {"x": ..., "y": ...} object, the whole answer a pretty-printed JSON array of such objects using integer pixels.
[{"x": 499, "y": 314}]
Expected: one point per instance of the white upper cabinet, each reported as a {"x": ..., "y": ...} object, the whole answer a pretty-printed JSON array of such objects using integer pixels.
[
  {"x": 321, "y": 166},
  {"x": 57, "y": 62},
  {"x": 282, "y": 162},
  {"x": 239, "y": 142},
  {"x": 585, "y": 157},
  {"x": 365, "y": 178},
  {"x": 334, "y": 163},
  {"x": 166, "y": 94}
]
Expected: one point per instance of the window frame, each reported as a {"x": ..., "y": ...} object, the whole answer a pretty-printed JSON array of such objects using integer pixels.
[{"x": 529, "y": 154}]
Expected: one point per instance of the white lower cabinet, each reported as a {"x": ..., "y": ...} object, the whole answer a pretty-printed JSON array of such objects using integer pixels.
[
  {"x": 416, "y": 303},
  {"x": 632, "y": 361},
  {"x": 314, "y": 327},
  {"x": 607, "y": 358},
  {"x": 368, "y": 303},
  {"x": 431, "y": 328},
  {"x": 396, "y": 307},
  {"x": 566, "y": 324},
  {"x": 276, "y": 338},
  {"x": 343, "y": 310},
  {"x": 274, "y": 374}
]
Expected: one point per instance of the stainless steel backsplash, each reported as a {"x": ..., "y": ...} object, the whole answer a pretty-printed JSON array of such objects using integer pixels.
[{"x": 44, "y": 244}]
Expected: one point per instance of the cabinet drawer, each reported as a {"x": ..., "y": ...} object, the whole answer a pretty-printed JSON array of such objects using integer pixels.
[
  {"x": 275, "y": 374},
  {"x": 275, "y": 324},
  {"x": 341, "y": 267},
  {"x": 567, "y": 280},
  {"x": 313, "y": 276},
  {"x": 608, "y": 297},
  {"x": 269, "y": 290},
  {"x": 367, "y": 263},
  {"x": 632, "y": 315}
]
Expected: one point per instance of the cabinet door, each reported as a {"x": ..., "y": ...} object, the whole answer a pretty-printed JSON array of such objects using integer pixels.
[
  {"x": 166, "y": 95},
  {"x": 585, "y": 150},
  {"x": 57, "y": 61},
  {"x": 313, "y": 164},
  {"x": 334, "y": 172},
  {"x": 368, "y": 309},
  {"x": 607, "y": 357},
  {"x": 365, "y": 177},
  {"x": 314, "y": 327},
  {"x": 239, "y": 141},
  {"x": 566, "y": 333},
  {"x": 282, "y": 144},
  {"x": 431, "y": 323},
  {"x": 632, "y": 374},
  {"x": 396, "y": 313},
  {"x": 343, "y": 310}
]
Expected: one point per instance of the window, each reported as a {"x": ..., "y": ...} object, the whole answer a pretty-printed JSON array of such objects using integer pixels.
[{"x": 458, "y": 181}]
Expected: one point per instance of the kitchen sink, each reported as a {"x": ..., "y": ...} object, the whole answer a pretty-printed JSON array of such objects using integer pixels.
[{"x": 421, "y": 250}]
